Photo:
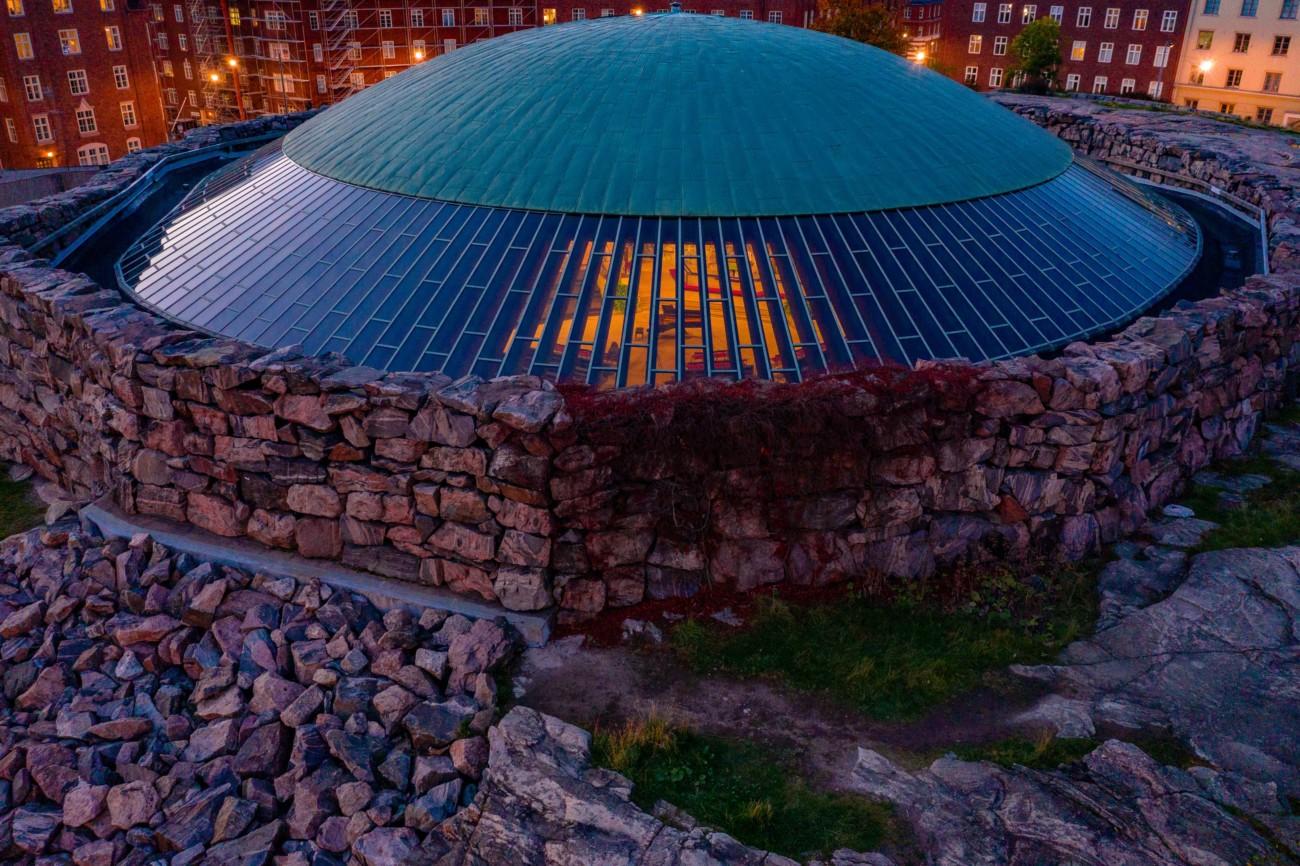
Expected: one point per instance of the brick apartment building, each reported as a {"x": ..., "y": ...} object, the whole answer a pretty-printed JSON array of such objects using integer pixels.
[
  {"x": 76, "y": 88},
  {"x": 1107, "y": 46}
]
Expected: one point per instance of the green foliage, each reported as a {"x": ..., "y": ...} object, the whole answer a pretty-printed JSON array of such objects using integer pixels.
[
  {"x": 741, "y": 788},
  {"x": 1048, "y": 752},
  {"x": 1269, "y": 516},
  {"x": 899, "y": 659},
  {"x": 1036, "y": 52},
  {"x": 19, "y": 509},
  {"x": 863, "y": 21}
]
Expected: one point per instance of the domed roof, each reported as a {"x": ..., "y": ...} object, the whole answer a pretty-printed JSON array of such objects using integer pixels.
[{"x": 677, "y": 115}]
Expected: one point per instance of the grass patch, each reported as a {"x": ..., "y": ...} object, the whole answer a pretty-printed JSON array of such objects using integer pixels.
[
  {"x": 741, "y": 788},
  {"x": 19, "y": 509},
  {"x": 1048, "y": 752},
  {"x": 1269, "y": 517},
  {"x": 895, "y": 659}
]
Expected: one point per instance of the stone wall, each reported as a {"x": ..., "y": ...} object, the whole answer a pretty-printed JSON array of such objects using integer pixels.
[{"x": 533, "y": 496}]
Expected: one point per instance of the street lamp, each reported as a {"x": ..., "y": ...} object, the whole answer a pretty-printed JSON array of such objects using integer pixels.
[
  {"x": 232, "y": 62},
  {"x": 419, "y": 55}
]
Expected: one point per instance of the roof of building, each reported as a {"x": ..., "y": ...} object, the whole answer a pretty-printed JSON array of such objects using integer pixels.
[{"x": 677, "y": 115}]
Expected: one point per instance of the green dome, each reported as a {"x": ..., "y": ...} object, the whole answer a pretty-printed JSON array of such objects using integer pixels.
[{"x": 677, "y": 115}]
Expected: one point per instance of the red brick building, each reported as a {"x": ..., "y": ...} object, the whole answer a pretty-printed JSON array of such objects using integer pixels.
[
  {"x": 76, "y": 85},
  {"x": 1107, "y": 46}
]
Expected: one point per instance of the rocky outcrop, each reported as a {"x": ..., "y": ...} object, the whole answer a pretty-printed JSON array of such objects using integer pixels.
[
  {"x": 155, "y": 709},
  {"x": 1117, "y": 808},
  {"x": 541, "y": 803}
]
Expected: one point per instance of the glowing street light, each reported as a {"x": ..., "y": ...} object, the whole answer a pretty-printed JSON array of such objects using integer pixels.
[
  {"x": 419, "y": 55},
  {"x": 232, "y": 62},
  {"x": 920, "y": 56},
  {"x": 214, "y": 77},
  {"x": 1205, "y": 65},
  {"x": 637, "y": 11}
]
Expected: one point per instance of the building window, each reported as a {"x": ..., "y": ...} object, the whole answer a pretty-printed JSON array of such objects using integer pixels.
[
  {"x": 320, "y": 84},
  {"x": 1127, "y": 86},
  {"x": 515, "y": 15},
  {"x": 745, "y": 14},
  {"x": 113, "y": 36},
  {"x": 128, "y": 115},
  {"x": 999, "y": 46},
  {"x": 32, "y": 87},
  {"x": 978, "y": 11},
  {"x": 1078, "y": 50},
  {"x": 972, "y": 76},
  {"x": 318, "y": 53},
  {"x": 1139, "y": 19},
  {"x": 1211, "y": 7},
  {"x": 275, "y": 20},
  {"x": 23, "y": 45},
  {"x": 186, "y": 69},
  {"x": 167, "y": 68},
  {"x": 1249, "y": 8},
  {"x": 41, "y": 125},
  {"x": 92, "y": 154},
  {"x": 358, "y": 79},
  {"x": 579, "y": 14},
  {"x": 4, "y": 91},
  {"x": 995, "y": 76},
  {"x": 1156, "y": 89},
  {"x": 1204, "y": 39},
  {"x": 389, "y": 49},
  {"x": 1083, "y": 18},
  {"x": 313, "y": 19},
  {"x": 481, "y": 18},
  {"x": 86, "y": 120},
  {"x": 62, "y": 7},
  {"x": 15, "y": 8},
  {"x": 775, "y": 16},
  {"x": 1004, "y": 13},
  {"x": 1072, "y": 82},
  {"x": 548, "y": 16},
  {"x": 1272, "y": 82},
  {"x": 1099, "y": 84},
  {"x": 1289, "y": 9},
  {"x": 1162, "y": 57},
  {"x": 11, "y": 129},
  {"x": 183, "y": 41},
  {"x": 1134, "y": 55},
  {"x": 120, "y": 79},
  {"x": 1241, "y": 43},
  {"x": 1233, "y": 78},
  {"x": 132, "y": 144},
  {"x": 975, "y": 45},
  {"x": 69, "y": 42},
  {"x": 279, "y": 51},
  {"x": 1028, "y": 14},
  {"x": 1057, "y": 14},
  {"x": 1105, "y": 52},
  {"x": 1263, "y": 115},
  {"x": 350, "y": 19},
  {"x": 1227, "y": 107},
  {"x": 1281, "y": 46},
  {"x": 385, "y": 17},
  {"x": 354, "y": 50},
  {"x": 1112, "y": 19},
  {"x": 417, "y": 47},
  {"x": 170, "y": 96},
  {"x": 106, "y": 6},
  {"x": 417, "y": 17},
  {"x": 78, "y": 83},
  {"x": 1169, "y": 21},
  {"x": 234, "y": 17},
  {"x": 449, "y": 18},
  {"x": 282, "y": 83}
]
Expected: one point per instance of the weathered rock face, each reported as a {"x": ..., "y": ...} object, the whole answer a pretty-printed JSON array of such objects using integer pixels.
[
  {"x": 1119, "y": 808},
  {"x": 156, "y": 709},
  {"x": 508, "y": 490},
  {"x": 541, "y": 803}
]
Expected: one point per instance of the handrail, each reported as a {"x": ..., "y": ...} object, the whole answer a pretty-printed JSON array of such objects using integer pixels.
[{"x": 87, "y": 223}]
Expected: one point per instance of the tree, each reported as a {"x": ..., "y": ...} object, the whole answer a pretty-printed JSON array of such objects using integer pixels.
[
  {"x": 864, "y": 21},
  {"x": 1037, "y": 53}
]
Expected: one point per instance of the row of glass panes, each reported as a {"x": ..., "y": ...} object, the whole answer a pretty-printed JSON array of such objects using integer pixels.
[
  {"x": 1082, "y": 17},
  {"x": 290, "y": 257}
]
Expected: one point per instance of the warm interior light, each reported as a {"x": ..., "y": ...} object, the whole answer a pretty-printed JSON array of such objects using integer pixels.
[
  {"x": 49, "y": 154},
  {"x": 1206, "y": 65},
  {"x": 920, "y": 56},
  {"x": 231, "y": 61},
  {"x": 419, "y": 55},
  {"x": 215, "y": 77},
  {"x": 637, "y": 11}
]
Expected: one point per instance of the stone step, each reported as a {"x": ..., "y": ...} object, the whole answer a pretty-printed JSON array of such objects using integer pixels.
[{"x": 385, "y": 593}]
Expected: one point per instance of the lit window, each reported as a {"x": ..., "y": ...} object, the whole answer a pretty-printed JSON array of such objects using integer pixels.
[
  {"x": 93, "y": 154},
  {"x": 1099, "y": 84},
  {"x": 1249, "y": 8},
  {"x": 1281, "y": 46},
  {"x": 1139, "y": 19},
  {"x": 975, "y": 45},
  {"x": 1263, "y": 115},
  {"x": 78, "y": 83},
  {"x": 41, "y": 125},
  {"x": 1105, "y": 52},
  {"x": 481, "y": 18},
  {"x": 1004, "y": 13},
  {"x": 1241, "y": 43},
  {"x": 69, "y": 42},
  {"x": 417, "y": 47},
  {"x": 1084, "y": 17},
  {"x": 978, "y": 11},
  {"x": 972, "y": 75},
  {"x": 120, "y": 79},
  {"x": 167, "y": 68},
  {"x": 1233, "y": 79},
  {"x": 128, "y": 115},
  {"x": 132, "y": 144},
  {"x": 1272, "y": 82},
  {"x": 113, "y": 36},
  {"x": 62, "y": 7},
  {"x": 1027, "y": 14},
  {"x": 86, "y": 120},
  {"x": 1169, "y": 21},
  {"x": 234, "y": 17},
  {"x": 15, "y": 7},
  {"x": 23, "y": 45},
  {"x": 1112, "y": 19},
  {"x": 1134, "y": 54},
  {"x": 1078, "y": 50},
  {"x": 999, "y": 46},
  {"x": 32, "y": 88},
  {"x": 1204, "y": 39}
]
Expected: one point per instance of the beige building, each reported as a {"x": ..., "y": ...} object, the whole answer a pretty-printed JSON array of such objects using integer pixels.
[{"x": 1242, "y": 57}]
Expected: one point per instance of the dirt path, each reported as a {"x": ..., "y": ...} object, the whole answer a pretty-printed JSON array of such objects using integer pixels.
[{"x": 594, "y": 686}]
